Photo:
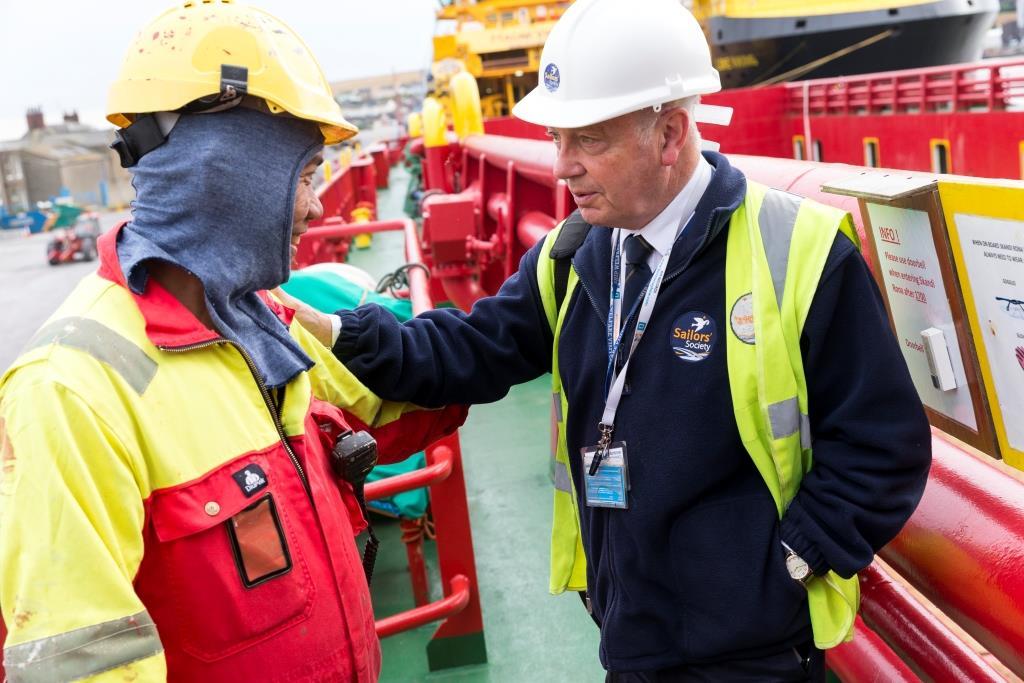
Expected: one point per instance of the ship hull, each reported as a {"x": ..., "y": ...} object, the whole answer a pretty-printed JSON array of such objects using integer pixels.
[{"x": 752, "y": 51}]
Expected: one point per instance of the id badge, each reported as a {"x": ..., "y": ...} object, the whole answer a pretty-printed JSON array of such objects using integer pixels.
[{"x": 609, "y": 486}]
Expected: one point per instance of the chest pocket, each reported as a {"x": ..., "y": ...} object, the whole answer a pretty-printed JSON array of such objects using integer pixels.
[{"x": 228, "y": 557}]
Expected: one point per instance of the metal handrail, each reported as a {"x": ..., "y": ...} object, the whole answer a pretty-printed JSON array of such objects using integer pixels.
[
  {"x": 417, "y": 479},
  {"x": 454, "y": 603}
]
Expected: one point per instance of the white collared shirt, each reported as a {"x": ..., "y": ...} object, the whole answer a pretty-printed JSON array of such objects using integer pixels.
[{"x": 661, "y": 233}]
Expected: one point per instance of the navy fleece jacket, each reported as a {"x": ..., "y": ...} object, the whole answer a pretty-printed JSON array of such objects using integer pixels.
[{"x": 694, "y": 570}]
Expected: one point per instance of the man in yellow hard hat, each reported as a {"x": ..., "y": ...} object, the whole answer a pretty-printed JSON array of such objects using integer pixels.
[{"x": 168, "y": 502}]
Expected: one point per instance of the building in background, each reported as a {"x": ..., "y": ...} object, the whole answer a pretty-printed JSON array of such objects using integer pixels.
[
  {"x": 13, "y": 189},
  {"x": 379, "y": 104},
  {"x": 66, "y": 159}
]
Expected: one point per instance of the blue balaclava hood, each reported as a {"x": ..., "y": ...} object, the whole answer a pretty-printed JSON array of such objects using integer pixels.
[{"x": 217, "y": 200}]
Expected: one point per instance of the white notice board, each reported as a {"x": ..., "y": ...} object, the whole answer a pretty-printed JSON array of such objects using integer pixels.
[
  {"x": 909, "y": 266},
  {"x": 993, "y": 254}
]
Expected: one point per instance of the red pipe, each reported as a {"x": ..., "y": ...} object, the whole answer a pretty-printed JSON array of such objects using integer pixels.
[
  {"x": 534, "y": 159},
  {"x": 462, "y": 290},
  {"x": 916, "y": 634},
  {"x": 964, "y": 548},
  {"x": 868, "y": 658},
  {"x": 454, "y": 603},
  {"x": 417, "y": 479},
  {"x": 497, "y": 208},
  {"x": 419, "y": 291},
  {"x": 805, "y": 178},
  {"x": 412, "y": 536},
  {"x": 533, "y": 226},
  {"x": 434, "y": 176},
  {"x": 338, "y": 228}
]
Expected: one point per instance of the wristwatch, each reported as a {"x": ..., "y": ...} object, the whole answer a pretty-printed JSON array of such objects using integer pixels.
[{"x": 797, "y": 566}]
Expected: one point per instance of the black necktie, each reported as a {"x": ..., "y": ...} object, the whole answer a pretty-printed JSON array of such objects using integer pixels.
[{"x": 635, "y": 251}]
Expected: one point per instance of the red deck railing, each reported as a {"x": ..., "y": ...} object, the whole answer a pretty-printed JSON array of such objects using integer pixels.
[
  {"x": 996, "y": 85},
  {"x": 966, "y": 119}
]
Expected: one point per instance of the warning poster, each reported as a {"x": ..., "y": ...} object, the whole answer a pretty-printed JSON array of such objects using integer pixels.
[
  {"x": 993, "y": 253},
  {"x": 909, "y": 266}
]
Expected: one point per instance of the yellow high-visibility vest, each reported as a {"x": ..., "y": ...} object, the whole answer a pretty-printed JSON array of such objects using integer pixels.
[{"x": 771, "y": 288}]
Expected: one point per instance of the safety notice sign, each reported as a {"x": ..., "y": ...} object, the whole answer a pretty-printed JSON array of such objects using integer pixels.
[
  {"x": 993, "y": 254},
  {"x": 909, "y": 266}
]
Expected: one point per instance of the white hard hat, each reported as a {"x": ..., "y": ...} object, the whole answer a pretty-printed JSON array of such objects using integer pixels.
[{"x": 606, "y": 58}]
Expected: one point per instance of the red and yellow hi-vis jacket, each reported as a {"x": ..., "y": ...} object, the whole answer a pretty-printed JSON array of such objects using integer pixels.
[{"x": 164, "y": 515}]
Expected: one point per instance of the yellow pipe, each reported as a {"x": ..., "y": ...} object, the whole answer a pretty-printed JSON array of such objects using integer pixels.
[
  {"x": 469, "y": 119},
  {"x": 362, "y": 215},
  {"x": 434, "y": 126},
  {"x": 328, "y": 171},
  {"x": 510, "y": 94},
  {"x": 414, "y": 123}
]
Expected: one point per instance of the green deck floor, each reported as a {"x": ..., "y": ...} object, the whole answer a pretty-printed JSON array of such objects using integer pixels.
[{"x": 530, "y": 635}]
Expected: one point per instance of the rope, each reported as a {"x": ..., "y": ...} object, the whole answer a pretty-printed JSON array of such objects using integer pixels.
[
  {"x": 810, "y": 66},
  {"x": 399, "y": 279},
  {"x": 415, "y": 530}
]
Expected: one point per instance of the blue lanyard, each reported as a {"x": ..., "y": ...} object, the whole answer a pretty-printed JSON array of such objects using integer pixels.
[
  {"x": 616, "y": 328},
  {"x": 615, "y": 382}
]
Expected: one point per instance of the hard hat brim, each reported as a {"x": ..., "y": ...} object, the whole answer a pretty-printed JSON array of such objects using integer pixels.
[{"x": 546, "y": 109}]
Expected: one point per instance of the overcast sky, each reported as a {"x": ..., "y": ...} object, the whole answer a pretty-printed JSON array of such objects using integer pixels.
[{"x": 63, "y": 54}]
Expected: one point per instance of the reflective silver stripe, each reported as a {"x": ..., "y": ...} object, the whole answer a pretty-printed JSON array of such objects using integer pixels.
[
  {"x": 785, "y": 418},
  {"x": 103, "y": 344},
  {"x": 776, "y": 220},
  {"x": 557, "y": 403},
  {"x": 805, "y": 431},
  {"x": 83, "y": 652},
  {"x": 562, "y": 480}
]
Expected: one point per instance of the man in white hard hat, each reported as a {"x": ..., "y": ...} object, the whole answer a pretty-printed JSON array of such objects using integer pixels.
[{"x": 738, "y": 432}]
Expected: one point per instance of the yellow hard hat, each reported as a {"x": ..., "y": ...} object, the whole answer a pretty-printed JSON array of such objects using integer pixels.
[{"x": 205, "y": 54}]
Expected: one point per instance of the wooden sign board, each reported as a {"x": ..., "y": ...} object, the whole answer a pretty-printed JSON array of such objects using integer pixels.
[{"x": 907, "y": 240}]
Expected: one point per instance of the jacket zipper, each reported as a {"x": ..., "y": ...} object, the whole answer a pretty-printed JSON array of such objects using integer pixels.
[
  {"x": 613, "y": 589},
  {"x": 593, "y": 301},
  {"x": 267, "y": 400}
]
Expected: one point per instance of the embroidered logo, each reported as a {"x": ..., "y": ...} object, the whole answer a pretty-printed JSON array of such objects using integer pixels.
[
  {"x": 251, "y": 479},
  {"x": 694, "y": 336},
  {"x": 741, "y": 319},
  {"x": 552, "y": 79}
]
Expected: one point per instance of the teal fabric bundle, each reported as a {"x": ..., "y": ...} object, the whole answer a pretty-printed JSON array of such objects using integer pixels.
[{"x": 329, "y": 291}]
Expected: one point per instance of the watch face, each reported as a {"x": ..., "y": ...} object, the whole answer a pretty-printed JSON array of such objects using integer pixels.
[{"x": 798, "y": 569}]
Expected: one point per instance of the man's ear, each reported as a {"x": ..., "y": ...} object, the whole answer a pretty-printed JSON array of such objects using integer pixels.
[{"x": 675, "y": 132}]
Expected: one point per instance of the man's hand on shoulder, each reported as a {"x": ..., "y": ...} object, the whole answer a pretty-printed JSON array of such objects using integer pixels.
[{"x": 323, "y": 326}]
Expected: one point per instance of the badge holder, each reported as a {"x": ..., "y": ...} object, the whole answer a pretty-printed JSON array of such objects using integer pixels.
[{"x": 608, "y": 486}]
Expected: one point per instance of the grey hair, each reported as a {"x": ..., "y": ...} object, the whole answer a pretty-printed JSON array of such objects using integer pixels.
[{"x": 648, "y": 118}]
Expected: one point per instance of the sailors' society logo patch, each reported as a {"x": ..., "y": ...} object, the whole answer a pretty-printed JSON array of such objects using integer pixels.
[
  {"x": 694, "y": 336},
  {"x": 741, "y": 318},
  {"x": 552, "y": 79}
]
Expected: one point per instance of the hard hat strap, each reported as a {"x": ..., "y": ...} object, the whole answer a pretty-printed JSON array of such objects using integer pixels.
[
  {"x": 234, "y": 85},
  {"x": 138, "y": 139}
]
